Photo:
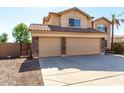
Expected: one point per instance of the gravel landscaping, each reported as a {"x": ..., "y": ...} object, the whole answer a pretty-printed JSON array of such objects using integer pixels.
[{"x": 20, "y": 72}]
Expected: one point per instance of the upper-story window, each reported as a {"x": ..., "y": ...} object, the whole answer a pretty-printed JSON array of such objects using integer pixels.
[
  {"x": 74, "y": 22},
  {"x": 102, "y": 28}
]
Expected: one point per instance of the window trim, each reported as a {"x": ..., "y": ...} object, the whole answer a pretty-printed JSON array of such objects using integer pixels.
[
  {"x": 79, "y": 24},
  {"x": 98, "y": 26}
]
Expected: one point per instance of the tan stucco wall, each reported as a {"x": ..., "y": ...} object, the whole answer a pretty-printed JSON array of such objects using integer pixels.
[
  {"x": 74, "y": 14},
  {"x": 83, "y": 46},
  {"x": 63, "y": 20},
  {"x": 54, "y": 20},
  {"x": 69, "y": 34},
  {"x": 108, "y": 25},
  {"x": 45, "y": 23}
]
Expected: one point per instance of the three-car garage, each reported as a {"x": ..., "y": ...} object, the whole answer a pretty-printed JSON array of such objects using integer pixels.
[
  {"x": 49, "y": 40},
  {"x": 51, "y": 46}
]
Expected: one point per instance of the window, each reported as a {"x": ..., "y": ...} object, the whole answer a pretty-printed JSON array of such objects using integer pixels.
[
  {"x": 74, "y": 22},
  {"x": 102, "y": 28}
]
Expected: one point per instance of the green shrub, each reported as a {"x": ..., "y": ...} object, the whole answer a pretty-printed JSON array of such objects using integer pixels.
[{"x": 119, "y": 48}]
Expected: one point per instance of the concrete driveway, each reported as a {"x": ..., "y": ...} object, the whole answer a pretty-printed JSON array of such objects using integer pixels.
[{"x": 83, "y": 70}]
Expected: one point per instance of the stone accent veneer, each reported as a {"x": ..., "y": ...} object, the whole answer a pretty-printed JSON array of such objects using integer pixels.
[{"x": 34, "y": 46}]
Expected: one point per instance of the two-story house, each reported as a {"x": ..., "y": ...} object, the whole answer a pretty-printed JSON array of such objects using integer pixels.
[{"x": 70, "y": 32}]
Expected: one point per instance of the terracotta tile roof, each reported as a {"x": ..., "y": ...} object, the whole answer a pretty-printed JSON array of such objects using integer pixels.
[{"x": 40, "y": 27}]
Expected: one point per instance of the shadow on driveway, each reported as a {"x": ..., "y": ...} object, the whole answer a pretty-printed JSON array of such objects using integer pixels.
[
  {"x": 30, "y": 65},
  {"x": 85, "y": 63}
]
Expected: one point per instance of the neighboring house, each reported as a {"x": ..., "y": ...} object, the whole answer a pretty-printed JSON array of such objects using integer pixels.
[
  {"x": 70, "y": 32},
  {"x": 118, "y": 38}
]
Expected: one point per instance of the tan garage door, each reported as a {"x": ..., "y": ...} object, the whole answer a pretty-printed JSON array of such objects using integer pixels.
[
  {"x": 82, "y": 46},
  {"x": 49, "y": 47}
]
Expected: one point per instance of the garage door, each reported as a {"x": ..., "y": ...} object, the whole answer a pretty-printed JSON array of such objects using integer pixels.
[
  {"x": 82, "y": 46},
  {"x": 49, "y": 47}
]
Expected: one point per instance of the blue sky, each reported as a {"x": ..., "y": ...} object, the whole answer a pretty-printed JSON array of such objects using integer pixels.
[{"x": 10, "y": 17}]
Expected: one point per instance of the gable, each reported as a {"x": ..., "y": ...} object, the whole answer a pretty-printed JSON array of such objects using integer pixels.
[
  {"x": 74, "y": 14},
  {"x": 75, "y": 10},
  {"x": 102, "y": 19},
  {"x": 84, "y": 21}
]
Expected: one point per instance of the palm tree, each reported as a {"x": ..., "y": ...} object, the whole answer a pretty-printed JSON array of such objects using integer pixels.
[{"x": 115, "y": 22}]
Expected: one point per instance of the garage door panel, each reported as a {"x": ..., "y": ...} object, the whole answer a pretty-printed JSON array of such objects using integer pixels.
[
  {"x": 82, "y": 46},
  {"x": 49, "y": 47},
  {"x": 82, "y": 52}
]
